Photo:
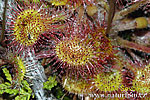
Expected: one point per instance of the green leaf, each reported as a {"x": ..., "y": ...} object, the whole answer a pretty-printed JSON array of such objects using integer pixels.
[
  {"x": 22, "y": 91},
  {"x": 15, "y": 91},
  {"x": 7, "y": 74},
  {"x": 21, "y": 97},
  {"x": 26, "y": 86},
  {"x": 36, "y": 1},
  {"x": 8, "y": 84},
  {"x": 25, "y": 91},
  {"x": 50, "y": 83},
  {"x": 1, "y": 91},
  {"x": 12, "y": 91},
  {"x": 28, "y": 97},
  {"x": 4, "y": 87},
  {"x": 17, "y": 97},
  {"x": 33, "y": 95}
]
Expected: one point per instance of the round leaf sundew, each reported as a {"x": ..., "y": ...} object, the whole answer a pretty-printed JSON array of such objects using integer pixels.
[
  {"x": 74, "y": 52},
  {"x": 141, "y": 82},
  {"x": 82, "y": 52},
  {"x": 28, "y": 27},
  {"x": 80, "y": 87},
  {"x": 108, "y": 81}
]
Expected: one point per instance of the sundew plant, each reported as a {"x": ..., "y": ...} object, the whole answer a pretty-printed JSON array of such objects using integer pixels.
[{"x": 74, "y": 49}]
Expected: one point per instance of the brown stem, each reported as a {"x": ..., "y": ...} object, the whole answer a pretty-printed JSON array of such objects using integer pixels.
[
  {"x": 132, "y": 45},
  {"x": 110, "y": 15},
  {"x": 75, "y": 97},
  {"x": 2, "y": 62},
  {"x": 43, "y": 62},
  {"x": 3, "y": 53},
  {"x": 3, "y": 22},
  {"x": 121, "y": 14}
]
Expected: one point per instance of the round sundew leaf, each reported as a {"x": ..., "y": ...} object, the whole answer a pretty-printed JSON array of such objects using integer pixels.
[
  {"x": 141, "y": 82},
  {"x": 80, "y": 87},
  {"x": 87, "y": 52},
  {"x": 74, "y": 52},
  {"x": 28, "y": 27},
  {"x": 108, "y": 81}
]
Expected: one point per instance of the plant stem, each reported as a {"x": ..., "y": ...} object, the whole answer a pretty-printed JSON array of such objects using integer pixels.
[
  {"x": 110, "y": 15},
  {"x": 3, "y": 22}
]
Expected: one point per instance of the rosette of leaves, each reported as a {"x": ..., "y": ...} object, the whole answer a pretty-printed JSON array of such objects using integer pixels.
[
  {"x": 81, "y": 54},
  {"x": 29, "y": 26}
]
